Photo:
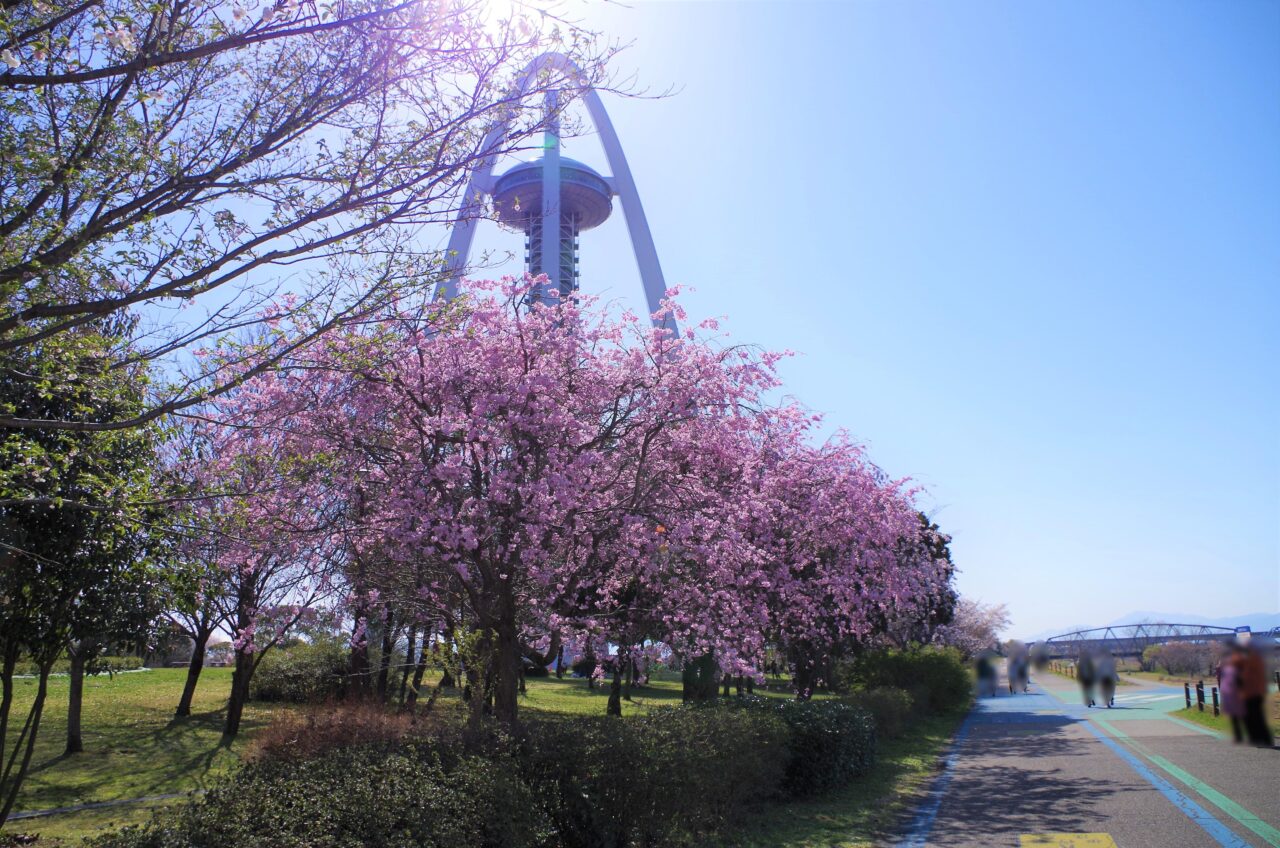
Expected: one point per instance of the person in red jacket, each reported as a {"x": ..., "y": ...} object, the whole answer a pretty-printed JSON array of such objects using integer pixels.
[{"x": 1253, "y": 692}]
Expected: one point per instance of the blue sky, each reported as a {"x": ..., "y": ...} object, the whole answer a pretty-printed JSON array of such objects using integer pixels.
[{"x": 1029, "y": 254}]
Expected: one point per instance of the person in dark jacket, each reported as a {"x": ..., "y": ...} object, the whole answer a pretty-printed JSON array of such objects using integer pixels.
[{"x": 1087, "y": 676}]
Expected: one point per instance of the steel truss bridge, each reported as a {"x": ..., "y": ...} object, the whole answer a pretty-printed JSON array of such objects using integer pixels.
[{"x": 1129, "y": 640}]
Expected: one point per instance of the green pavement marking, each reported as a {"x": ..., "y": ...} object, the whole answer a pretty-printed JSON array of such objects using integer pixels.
[
  {"x": 1268, "y": 833},
  {"x": 1197, "y": 727}
]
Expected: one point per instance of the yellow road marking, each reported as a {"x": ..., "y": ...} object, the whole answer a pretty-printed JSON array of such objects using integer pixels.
[{"x": 1068, "y": 840}]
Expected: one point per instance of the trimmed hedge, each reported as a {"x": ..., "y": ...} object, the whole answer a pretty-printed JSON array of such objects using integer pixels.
[
  {"x": 666, "y": 779},
  {"x": 936, "y": 678},
  {"x": 661, "y": 779},
  {"x": 406, "y": 798},
  {"x": 829, "y": 742},
  {"x": 100, "y": 665},
  {"x": 889, "y": 706},
  {"x": 302, "y": 673}
]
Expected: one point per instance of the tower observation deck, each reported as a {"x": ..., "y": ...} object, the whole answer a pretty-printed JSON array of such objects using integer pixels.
[
  {"x": 585, "y": 201},
  {"x": 554, "y": 198}
]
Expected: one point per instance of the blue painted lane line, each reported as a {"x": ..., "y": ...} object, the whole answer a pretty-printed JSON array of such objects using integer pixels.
[
  {"x": 1040, "y": 706},
  {"x": 922, "y": 822},
  {"x": 1216, "y": 829}
]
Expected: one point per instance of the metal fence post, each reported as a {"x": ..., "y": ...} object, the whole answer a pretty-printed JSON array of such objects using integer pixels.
[
  {"x": 1215, "y": 701},
  {"x": 1186, "y": 688},
  {"x": 1200, "y": 696}
]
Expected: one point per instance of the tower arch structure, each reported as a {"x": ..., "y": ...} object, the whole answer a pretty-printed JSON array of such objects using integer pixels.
[{"x": 545, "y": 236}]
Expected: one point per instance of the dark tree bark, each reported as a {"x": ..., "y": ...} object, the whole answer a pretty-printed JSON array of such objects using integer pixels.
[
  {"x": 699, "y": 679},
  {"x": 805, "y": 674},
  {"x": 358, "y": 668},
  {"x": 75, "y": 698},
  {"x": 507, "y": 661},
  {"x": 239, "y": 693},
  {"x": 411, "y": 700},
  {"x": 447, "y": 681},
  {"x": 388, "y": 648},
  {"x": 11, "y": 782},
  {"x": 193, "y": 674},
  {"x": 560, "y": 663},
  {"x": 410, "y": 649},
  {"x": 615, "y": 693},
  {"x": 630, "y": 678}
]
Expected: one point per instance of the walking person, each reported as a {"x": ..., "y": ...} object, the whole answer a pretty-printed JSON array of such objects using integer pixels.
[
  {"x": 986, "y": 675},
  {"x": 1087, "y": 675},
  {"x": 1107, "y": 678},
  {"x": 1018, "y": 669},
  {"x": 1229, "y": 671},
  {"x": 1253, "y": 691}
]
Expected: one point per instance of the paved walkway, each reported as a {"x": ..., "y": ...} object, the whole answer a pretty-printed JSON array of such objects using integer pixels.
[{"x": 1041, "y": 769}]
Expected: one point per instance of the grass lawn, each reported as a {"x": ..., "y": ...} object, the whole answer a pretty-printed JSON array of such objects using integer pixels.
[
  {"x": 1221, "y": 723},
  {"x": 861, "y": 814},
  {"x": 134, "y": 748},
  {"x": 571, "y": 695}
]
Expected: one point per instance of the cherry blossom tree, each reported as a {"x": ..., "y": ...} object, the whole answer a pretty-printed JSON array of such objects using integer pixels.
[
  {"x": 975, "y": 628},
  {"x": 521, "y": 472}
]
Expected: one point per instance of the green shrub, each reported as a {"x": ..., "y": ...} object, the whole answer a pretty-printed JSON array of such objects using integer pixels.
[
  {"x": 829, "y": 742},
  {"x": 302, "y": 673},
  {"x": 658, "y": 780},
  {"x": 936, "y": 678},
  {"x": 667, "y": 779},
  {"x": 403, "y": 798},
  {"x": 101, "y": 665},
  {"x": 890, "y": 707}
]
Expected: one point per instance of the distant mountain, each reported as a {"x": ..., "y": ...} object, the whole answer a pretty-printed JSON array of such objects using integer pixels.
[{"x": 1258, "y": 621}]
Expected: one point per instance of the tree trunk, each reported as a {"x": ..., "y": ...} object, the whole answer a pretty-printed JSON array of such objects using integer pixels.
[
  {"x": 447, "y": 681},
  {"x": 411, "y": 702},
  {"x": 358, "y": 667},
  {"x": 626, "y": 683},
  {"x": 193, "y": 674},
  {"x": 507, "y": 673},
  {"x": 805, "y": 675},
  {"x": 75, "y": 699},
  {"x": 408, "y": 661},
  {"x": 388, "y": 648},
  {"x": 725, "y": 680},
  {"x": 11, "y": 782},
  {"x": 239, "y": 694},
  {"x": 560, "y": 663},
  {"x": 615, "y": 693},
  {"x": 740, "y": 684},
  {"x": 751, "y": 685},
  {"x": 699, "y": 678}
]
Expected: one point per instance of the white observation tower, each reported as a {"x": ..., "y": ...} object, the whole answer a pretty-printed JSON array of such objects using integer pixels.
[{"x": 553, "y": 199}]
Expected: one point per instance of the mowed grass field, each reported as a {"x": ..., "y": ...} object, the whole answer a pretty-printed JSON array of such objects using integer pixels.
[{"x": 134, "y": 748}]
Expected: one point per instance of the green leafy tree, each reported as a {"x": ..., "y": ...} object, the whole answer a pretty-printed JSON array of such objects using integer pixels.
[
  {"x": 180, "y": 158},
  {"x": 73, "y": 525}
]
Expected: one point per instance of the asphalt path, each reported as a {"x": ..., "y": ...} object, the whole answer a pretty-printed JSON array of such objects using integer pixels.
[{"x": 1041, "y": 769}]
